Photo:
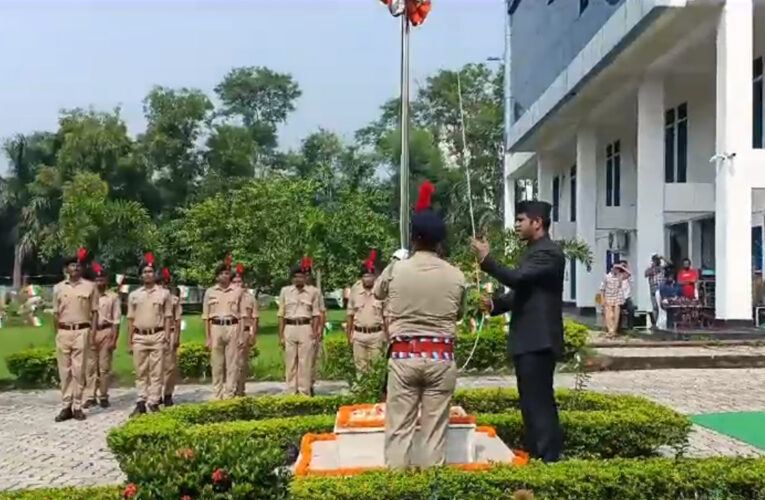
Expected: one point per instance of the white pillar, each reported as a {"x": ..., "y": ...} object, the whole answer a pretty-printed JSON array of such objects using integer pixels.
[
  {"x": 733, "y": 203},
  {"x": 545, "y": 170},
  {"x": 509, "y": 215},
  {"x": 587, "y": 282},
  {"x": 694, "y": 242},
  {"x": 650, "y": 183}
]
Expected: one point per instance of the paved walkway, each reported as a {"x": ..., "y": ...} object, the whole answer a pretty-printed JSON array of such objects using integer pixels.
[{"x": 36, "y": 452}]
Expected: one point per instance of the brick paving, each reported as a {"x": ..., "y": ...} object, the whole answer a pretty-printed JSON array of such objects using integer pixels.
[{"x": 36, "y": 452}]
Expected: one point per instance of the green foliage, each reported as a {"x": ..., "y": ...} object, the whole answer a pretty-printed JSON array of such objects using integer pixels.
[
  {"x": 35, "y": 367},
  {"x": 194, "y": 361},
  {"x": 656, "y": 479},
  {"x": 99, "y": 493}
]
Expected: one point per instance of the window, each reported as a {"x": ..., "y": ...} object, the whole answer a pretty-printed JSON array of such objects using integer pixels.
[
  {"x": 676, "y": 144},
  {"x": 611, "y": 259},
  {"x": 555, "y": 198},
  {"x": 572, "y": 282},
  {"x": 757, "y": 131},
  {"x": 613, "y": 175},
  {"x": 757, "y": 248},
  {"x": 583, "y": 5},
  {"x": 572, "y": 207}
]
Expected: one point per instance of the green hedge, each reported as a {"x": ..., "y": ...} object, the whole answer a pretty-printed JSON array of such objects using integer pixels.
[
  {"x": 655, "y": 479},
  {"x": 174, "y": 453},
  {"x": 102, "y": 493}
]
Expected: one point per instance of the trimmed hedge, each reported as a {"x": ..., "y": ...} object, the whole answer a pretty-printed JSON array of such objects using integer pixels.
[
  {"x": 102, "y": 493},
  {"x": 655, "y": 479},
  {"x": 176, "y": 452}
]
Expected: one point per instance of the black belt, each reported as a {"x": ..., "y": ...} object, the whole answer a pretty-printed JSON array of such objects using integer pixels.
[
  {"x": 371, "y": 329},
  {"x": 224, "y": 321},
  {"x": 148, "y": 331},
  {"x": 298, "y": 321},
  {"x": 104, "y": 326},
  {"x": 73, "y": 326}
]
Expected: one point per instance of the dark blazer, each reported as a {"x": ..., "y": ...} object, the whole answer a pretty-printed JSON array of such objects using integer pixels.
[{"x": 535, "y": 298}]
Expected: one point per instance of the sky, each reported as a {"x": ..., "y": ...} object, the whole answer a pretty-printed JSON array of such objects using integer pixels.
[{"x": 61, "y": 54}]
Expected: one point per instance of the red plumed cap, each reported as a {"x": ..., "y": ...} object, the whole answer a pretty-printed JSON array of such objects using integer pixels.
[
  {"x": 81, "y": 254},
  {"x": 425, "y": 198}
]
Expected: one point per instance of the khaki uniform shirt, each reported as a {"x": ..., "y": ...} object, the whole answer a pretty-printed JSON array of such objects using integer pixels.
[
  {"x": 366, "y": 310},
  {"x": 177, "y": 307},
  {"x": 109, "y": 310},
  {"x": 148, "y": 307},
  {"x": 295, "y": 303},
  {"x": 249, "y": 306},
  {"x": 222, "y": 302},
  {"x": 75, "y": 302},
  {"x": 425, "y": 296}
]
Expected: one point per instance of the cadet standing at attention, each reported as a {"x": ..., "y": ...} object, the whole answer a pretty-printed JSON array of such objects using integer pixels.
[
  {"x": 365, "y": 327},
  {"x": 299, "y": 321},
  {"x": 105, "y": 341},
  {"x": 319, "y": 345},
  {"x": 426, "y": 297},
  {"x": 221, "y": 313},
  {"x": 250, "y": 315},
  {"x": 150, "y": 316},
  {"x": 75, "y": 314},
  {"x": 172, "y": 341}
]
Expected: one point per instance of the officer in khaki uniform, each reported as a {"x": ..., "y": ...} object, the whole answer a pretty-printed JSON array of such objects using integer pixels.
[
  {"x": 221, "y": 312},
  {"x": 319, "y": 345},
  {"x": 105, "y": 341},
  {"x": 365, "y": 327},
  {"x": 250, "y": 318},
  {"x": 75, "y": 313},
  {"x": 299, "y": 328},
  {"x": 426, "y": 297},
  {"x": 150, "y": 314},
  {"x": 172, "y": 341}
]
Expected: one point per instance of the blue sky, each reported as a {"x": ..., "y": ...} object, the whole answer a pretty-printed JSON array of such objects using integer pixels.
[{"x": 344, "y": 54}]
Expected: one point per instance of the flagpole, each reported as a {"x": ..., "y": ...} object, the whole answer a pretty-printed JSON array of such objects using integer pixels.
[{"x": 404, "y": 167}]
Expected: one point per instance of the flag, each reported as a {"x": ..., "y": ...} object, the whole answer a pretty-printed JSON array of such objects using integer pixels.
[
  {"x": 36, "y": 321},
  {"x": 488, "y": 287},
  {"x": 120, "y": 278},
  {"x": 33, "y": 290},
  {"x": 183, "y": 292},
  {"x": 124, "y": 288},
  {"x": 183, "y": 325}
]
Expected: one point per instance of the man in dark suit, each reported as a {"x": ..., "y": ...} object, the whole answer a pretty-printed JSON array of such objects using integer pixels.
[{"x": 536, "y": 323}]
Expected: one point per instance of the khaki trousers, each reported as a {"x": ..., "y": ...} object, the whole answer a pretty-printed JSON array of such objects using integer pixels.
[
  {"x": 612, "y": 318},
  {"x": 299, "y": 353},
  {"x": 224, "y": 359},
  {"x": 317, "y": 350},
  {"x": 366, "y": 347},
  {"x": 418, "y": 385},
  {"x": 71, "y": 355},
  {"x": 170, "y": 368},
  {"x": 99, "y": 365},
  {"x": 148, "y": 360},
  {"x": 243, "y": 369}
]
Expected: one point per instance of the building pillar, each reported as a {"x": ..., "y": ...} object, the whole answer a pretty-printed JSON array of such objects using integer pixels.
[
  {"x": 650, "y": 184},
  {"x": 510, "y": 189},
  {"x": 545, "y": 171},
  {"x": 694, "y": 243},
  {"x": 587, "y": 282},
  {"x": 733, "y": 201}
]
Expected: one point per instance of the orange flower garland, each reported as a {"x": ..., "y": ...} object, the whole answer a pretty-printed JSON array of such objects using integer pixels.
[{"x": 345, "y": 414}]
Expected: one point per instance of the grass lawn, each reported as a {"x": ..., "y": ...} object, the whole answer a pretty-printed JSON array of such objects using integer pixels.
[{"x": 269, "y": 365}]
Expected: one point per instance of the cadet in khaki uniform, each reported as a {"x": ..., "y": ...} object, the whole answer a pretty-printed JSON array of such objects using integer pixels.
[
  {"x": 105, "y": 341},
  {"x": 75, "y": 313},
  {"x": 365, "y": 327},
  {"x": 299, "y": 328},
  {"x": 172, "y": 341},
  {"x": 426, "y": 298},
  {"x": 250, "y": 317},
  {"x": 150, "y": 314},
  {"x": 221, "y": 312},
  {"x": 319, "y": 345}
]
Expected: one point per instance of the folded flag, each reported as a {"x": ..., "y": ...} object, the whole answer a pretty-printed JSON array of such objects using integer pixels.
[
  {"x": 124, "y": 288},
  {"x": 183, "y": 325},
  {"x": 120, "y": 278},
  {"x": 36, "y": 321}
]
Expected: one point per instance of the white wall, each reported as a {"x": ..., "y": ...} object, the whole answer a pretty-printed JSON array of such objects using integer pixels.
[{"x": 623, "y": 216}]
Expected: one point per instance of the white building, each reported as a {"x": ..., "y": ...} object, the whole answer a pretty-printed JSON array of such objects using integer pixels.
[{"x": 646, "y": 134}]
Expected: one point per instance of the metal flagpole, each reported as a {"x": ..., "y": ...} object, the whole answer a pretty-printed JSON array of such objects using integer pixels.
[{"x": 404, "y": 167}]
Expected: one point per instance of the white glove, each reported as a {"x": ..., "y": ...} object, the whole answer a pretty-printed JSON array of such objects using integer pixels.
[{"x": 401, "y": 254}]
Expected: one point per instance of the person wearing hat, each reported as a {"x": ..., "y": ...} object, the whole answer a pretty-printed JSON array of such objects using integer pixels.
[
  {"x": 250, "y": 317},
  {"x": 365, "y": 327},
  {"x": 150, "y": 317},
  {"x": 221, "y": 313},
  {"x": 75, "y": 314},
  {"x": 172, "y": 341},
  {"x": 536, "y": 322},
  {"x": 612, "y": 291},
  {"x": 425, "y": 298},
  {"x": 105, "y": 341},
  {"x": 299, "y": 327}
]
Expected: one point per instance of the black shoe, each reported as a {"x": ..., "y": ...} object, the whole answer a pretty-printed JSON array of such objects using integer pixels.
[
  {"x": 140, "y": 409},
  {"x": 168, "y": 401},
  {"x": 78, "y": 415},
  {"x": 153, "y": 408},
  {"x": 104, "y": 403},
  {"x": 64, "y": 415},
  {"x": 89, "y": 403}
]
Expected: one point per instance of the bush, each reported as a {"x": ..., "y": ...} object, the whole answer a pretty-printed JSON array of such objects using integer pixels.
[
  {"x": 34, "y": 367},
  {"x": 251, "y": 439},
  {"x": 656, "y": 479},
  {"x": 194, "y": 361},
  {"x": 102, "y": 493}
]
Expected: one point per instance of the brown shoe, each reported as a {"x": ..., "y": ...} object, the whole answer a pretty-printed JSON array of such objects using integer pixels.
[
  {"x": 89, "y": 403},
  {"x": 78, "y": 415},
  {"x": 64, "y": 415}
]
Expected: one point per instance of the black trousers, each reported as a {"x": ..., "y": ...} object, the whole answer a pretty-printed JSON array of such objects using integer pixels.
[
  {"x": 629, "y": 309},
  {"x": 534, "y": 371}
]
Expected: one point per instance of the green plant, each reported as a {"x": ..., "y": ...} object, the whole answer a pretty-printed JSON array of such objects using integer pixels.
[
  {"x": 194, "y": 361},
  {"x": 654, "y": 479},
  {"x": 100, "y": 493},
  {"x": 34, "y": 367},
  {"x": 368, "y": 387}
]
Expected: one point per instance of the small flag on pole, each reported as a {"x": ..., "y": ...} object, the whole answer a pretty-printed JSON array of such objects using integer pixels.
[
  {"x": 36, "y": 321},
  {"x": 183, "y": 325},
  {"x": 124, "y": 288},
  {"x": 120, "y": 278},
  {"x": 33, "y": 290}
]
